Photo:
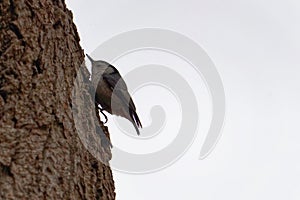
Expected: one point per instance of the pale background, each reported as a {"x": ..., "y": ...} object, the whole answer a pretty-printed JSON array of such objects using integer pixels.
[{"x": 255, "y": 46}]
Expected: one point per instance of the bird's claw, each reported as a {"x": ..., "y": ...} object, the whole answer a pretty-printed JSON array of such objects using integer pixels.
[{"x": 101, "y": 110}]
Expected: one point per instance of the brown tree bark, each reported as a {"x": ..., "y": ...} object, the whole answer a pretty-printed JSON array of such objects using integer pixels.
[{"x": 41, "y": 154}]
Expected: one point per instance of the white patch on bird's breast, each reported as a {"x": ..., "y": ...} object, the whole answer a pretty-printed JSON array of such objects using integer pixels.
[{"x": 96, "y": 79}]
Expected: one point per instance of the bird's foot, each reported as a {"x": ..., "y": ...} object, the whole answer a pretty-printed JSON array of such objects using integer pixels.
[{"x": 101, "y": 110}]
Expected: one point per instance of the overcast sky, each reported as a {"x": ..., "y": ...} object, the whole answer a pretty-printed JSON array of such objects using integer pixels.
[{"x": 255, "y": 47}]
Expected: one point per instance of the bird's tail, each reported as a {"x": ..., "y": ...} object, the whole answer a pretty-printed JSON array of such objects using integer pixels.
[{"x": 135, "y": 120}]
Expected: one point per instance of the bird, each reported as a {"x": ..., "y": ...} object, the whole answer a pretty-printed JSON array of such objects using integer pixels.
[{"x": 111, "y": 92}]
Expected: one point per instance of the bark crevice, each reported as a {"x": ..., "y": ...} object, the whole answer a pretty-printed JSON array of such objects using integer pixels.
[{"x": 41, "y": 155}]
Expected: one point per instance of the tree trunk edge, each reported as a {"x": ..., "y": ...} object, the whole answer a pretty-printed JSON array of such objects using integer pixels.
[{"x": 41, "y": 155}]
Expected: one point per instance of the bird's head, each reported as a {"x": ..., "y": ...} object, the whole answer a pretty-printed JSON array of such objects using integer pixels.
[{"x": 98, "y": 63}]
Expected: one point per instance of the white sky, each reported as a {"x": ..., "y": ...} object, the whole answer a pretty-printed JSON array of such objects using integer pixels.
[{"x": 255, "y": 46}]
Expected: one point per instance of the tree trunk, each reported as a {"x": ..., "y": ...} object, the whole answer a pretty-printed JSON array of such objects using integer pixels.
[{"x": 41, "y": 154}]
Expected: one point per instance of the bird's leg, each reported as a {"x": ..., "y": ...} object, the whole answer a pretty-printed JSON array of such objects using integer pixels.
[{"x": 101, "y": 110}]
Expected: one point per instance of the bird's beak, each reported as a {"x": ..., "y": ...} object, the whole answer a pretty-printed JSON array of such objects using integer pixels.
[{"x": 91, "y": 59}]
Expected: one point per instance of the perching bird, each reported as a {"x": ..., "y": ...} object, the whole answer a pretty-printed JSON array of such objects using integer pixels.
[{"x": 111, "y": 92}]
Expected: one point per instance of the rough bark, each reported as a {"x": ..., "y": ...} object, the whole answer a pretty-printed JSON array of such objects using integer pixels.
[{"x": 41, "y": 154}]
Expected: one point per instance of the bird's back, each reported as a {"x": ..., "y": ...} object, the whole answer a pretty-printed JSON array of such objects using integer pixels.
[{"x": 112, "y": 94}]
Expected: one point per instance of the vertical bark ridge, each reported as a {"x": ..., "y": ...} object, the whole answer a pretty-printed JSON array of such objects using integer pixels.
[{"x": 41, "y": 155}]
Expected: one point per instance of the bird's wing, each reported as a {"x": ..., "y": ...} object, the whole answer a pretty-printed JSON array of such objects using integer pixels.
[
  {"x": 114, "y": 79},
  {"x": 128, "y": 104},
  {"x": 119, "y": 88}
]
